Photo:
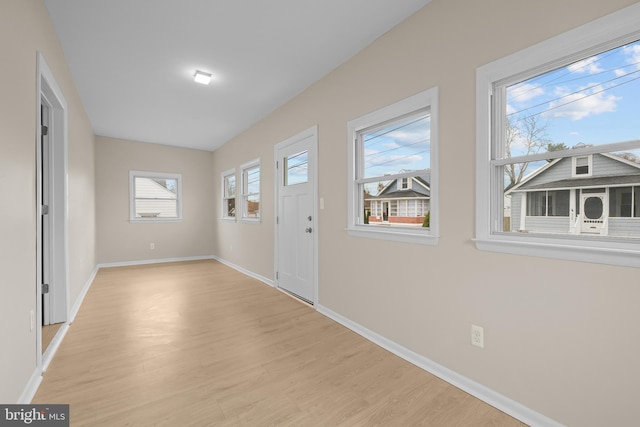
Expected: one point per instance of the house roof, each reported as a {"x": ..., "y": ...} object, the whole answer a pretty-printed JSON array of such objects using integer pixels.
[
  {"x": 599, "y": 181},
  {"x": 422, "y": 180},
  {"x": 399, "y": 194}
]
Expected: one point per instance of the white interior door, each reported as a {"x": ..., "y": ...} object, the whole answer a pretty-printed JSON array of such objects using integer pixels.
[{"x": 296, "y": 193}]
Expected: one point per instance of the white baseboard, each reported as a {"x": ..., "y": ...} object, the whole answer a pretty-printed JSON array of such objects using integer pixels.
[
  {"x": 497, "y": 400},
  {"x": 31, "y": 388},
  {"x": 152, "y": 261},
  {"x": 246, "y": 272},
  {"x": 53, "y": 346},
  {"x": 36, "y": 377},
  {"x": 83, "y": 294}
]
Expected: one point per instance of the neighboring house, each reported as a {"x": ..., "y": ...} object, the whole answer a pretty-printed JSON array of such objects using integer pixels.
[
  {"x": 154, "y": 200},
  {"x": 401, "y": 201},
  {"x": 596, "y": 194}
]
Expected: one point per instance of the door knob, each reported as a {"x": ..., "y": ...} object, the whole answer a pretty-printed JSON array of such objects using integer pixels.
[
  {"x": 308, "y": 230},
  {"x": 309, "y": 218}
]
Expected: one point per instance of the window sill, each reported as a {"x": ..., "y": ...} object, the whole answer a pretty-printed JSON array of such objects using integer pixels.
[
  {"x": 621, "y": 254},
  {"x": 404, "y": 235},
  {"x": 138, "y": 220},
  {"x": 228, "y": 218}
]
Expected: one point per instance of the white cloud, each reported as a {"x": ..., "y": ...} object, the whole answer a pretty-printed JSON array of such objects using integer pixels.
[
  {"x": 523, "y": 92},
  {"x": 391, "y": 144},
  {"x": 588, "y": 65},
  {"x": 578, "y": 105},
  {"x": 404, "y": 137},
  {"x": 633, "y": 54}
]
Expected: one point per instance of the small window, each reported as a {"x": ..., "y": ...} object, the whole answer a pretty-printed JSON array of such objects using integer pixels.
[
  {"x": 558, "y": 142},
  {"x": 155, "y": 196},
  {"x": 251, "y": 191},
  {"x": 582, "y": 166},
  {"x": 296, "y": 168},
  {"x": 229, "y": 194},
  {"x": 391, "y": 151}
]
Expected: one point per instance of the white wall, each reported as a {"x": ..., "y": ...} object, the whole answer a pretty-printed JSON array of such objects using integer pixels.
[
  {"x": 25, "y": 29},
  {"x": 560, "y": 336}
]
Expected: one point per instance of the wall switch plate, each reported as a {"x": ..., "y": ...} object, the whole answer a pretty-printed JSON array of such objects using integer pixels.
[
  {"x": 32, "y": 320},
  {"x": 152, "y": 245},
  {"x": 477, "y": 336}
]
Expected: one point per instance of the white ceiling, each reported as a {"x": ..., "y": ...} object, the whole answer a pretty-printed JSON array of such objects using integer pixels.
[{"x": 133, "y": 61}]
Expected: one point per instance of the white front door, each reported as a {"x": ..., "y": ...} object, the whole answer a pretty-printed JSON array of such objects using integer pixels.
[
  {"x": 296, "y": 169},
  {"x": 594, "y": 213}
]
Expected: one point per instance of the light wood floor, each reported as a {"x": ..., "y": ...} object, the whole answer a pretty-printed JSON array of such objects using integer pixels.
[
  {"x": 199, "y": 344},
  {"x": 48, "y": 333}
]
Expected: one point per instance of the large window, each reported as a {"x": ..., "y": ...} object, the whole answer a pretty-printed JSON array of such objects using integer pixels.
[
  {"x": 548, "y": 203},
  {"x": 155, "y": 196},
  {"x": 558, "y": 143},
  {"x": 229, "y": 194},
  {"x": 251, "y": 191},
  {"x": 393, "y": 171}
]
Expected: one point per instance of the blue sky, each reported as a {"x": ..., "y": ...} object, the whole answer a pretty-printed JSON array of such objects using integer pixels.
[
  {"x": 400, "y": 146},
  {"x": 593, "y": 101}
]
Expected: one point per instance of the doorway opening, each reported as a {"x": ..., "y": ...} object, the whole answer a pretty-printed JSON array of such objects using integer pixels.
[{"x": 51, "y": 210}]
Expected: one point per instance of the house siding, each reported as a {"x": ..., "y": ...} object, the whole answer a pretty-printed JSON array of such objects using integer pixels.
[
  {"x": 624, "y": 227},
  {"x": 516, "y": 209},
  {"x": 548, "y": 224}
]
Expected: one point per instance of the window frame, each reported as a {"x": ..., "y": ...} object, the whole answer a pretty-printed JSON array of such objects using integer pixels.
[
  {"x": 427, "y": 99},
  {"x": 224, "y": 196},
  {"x": 133, "y": 174},
  {"x": 604, "y": 33},
  {"x": 244, "y": 194},
  {"x": 574, "y": 166}
]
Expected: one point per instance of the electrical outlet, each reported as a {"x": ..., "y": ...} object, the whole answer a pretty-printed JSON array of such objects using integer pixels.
[
  {"x": 477, "y": 336},
  {"x": 152, "y": 246}
]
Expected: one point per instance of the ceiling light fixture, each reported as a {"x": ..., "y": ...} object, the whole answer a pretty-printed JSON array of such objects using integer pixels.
[{"x": 202, "y": 77}]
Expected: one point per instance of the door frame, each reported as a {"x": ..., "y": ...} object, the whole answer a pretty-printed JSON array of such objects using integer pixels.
[
  {"x": 313, "y": 133},
  {"x": 49, "y": 93}
]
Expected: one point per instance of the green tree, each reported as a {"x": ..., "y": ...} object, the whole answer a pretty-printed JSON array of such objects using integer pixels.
[{"x": 427, "y": 220}]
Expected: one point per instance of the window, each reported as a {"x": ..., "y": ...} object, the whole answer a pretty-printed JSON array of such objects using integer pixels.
[
  {"x": 296, "y": 168},
  {"x": 155, "y": 196},
  {"x": 393, "y": 171},
  {"x": 558, "y": 146},
  {"x": 624, "y": 202},
  {"x": 581, "y": 165},
  {"x": 229, "y": 194},
  {"x": 251, "y": 191},
  {"x": 548, "y": 203}
]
